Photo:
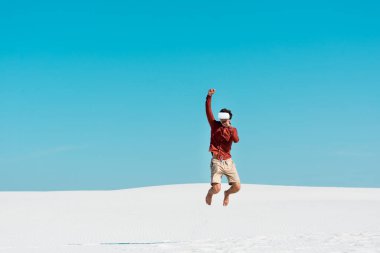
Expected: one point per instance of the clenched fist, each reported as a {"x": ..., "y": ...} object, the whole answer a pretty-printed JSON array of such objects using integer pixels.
[{"x": 211, "y": 92}]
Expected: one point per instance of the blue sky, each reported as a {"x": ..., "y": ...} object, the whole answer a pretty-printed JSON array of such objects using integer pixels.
[{"x": 110, "y": 94}]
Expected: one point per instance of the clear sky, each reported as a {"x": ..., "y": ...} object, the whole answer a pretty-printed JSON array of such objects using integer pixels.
[{"x": 110, "y": 94}]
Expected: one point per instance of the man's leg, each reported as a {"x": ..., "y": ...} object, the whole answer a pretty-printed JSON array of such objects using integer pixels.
[
  {"x": 235, "y": 187},
  {"x": 215, "y": 188}
]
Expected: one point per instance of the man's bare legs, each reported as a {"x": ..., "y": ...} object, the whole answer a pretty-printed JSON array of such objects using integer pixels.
[
  {"x": 215, "y": 188},
  {"x": 235, "y": 187}
]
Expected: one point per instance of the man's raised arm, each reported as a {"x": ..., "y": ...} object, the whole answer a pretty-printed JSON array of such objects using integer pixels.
[{"x": 210, "y": 116}]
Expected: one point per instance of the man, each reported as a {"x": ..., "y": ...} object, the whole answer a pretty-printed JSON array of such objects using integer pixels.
[{"x": 222, "y": 136}]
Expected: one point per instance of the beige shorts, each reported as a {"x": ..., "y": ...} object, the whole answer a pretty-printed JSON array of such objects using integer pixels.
[{"x": 223, "y": 167}]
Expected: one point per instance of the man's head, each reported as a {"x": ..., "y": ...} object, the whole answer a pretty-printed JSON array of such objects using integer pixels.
[{"x": 225, "y": 116}]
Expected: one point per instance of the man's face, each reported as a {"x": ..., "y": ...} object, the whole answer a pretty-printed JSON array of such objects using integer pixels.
[{"x": 225, "y": 122}]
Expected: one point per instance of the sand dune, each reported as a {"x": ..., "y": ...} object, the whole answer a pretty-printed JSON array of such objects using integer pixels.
[{"x": 175, "y": 218}]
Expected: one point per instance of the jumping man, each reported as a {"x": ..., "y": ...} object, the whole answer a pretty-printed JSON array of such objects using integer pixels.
[{"x": 222, "y": 136}]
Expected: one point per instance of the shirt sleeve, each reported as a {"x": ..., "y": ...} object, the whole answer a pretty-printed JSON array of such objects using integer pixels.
[
  {"x": 235, "y": 136},
  {"x": 210, "y": 116}
]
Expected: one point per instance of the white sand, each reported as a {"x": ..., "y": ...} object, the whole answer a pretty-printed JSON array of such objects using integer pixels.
[{"x": 175, "y": 218}]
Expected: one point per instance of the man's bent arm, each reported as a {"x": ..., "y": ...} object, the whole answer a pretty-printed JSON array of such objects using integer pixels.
[
  {"x": 235, "y": 136},
  {"x": 210, "y": 116}
]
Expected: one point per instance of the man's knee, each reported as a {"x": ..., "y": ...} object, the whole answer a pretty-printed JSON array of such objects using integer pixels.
[
  {"x": 216, "y": 188},
  {"x": 236, "y": 186}
]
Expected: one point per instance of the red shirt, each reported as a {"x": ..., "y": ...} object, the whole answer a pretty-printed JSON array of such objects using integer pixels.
[{"x": 221, "y": 137}]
